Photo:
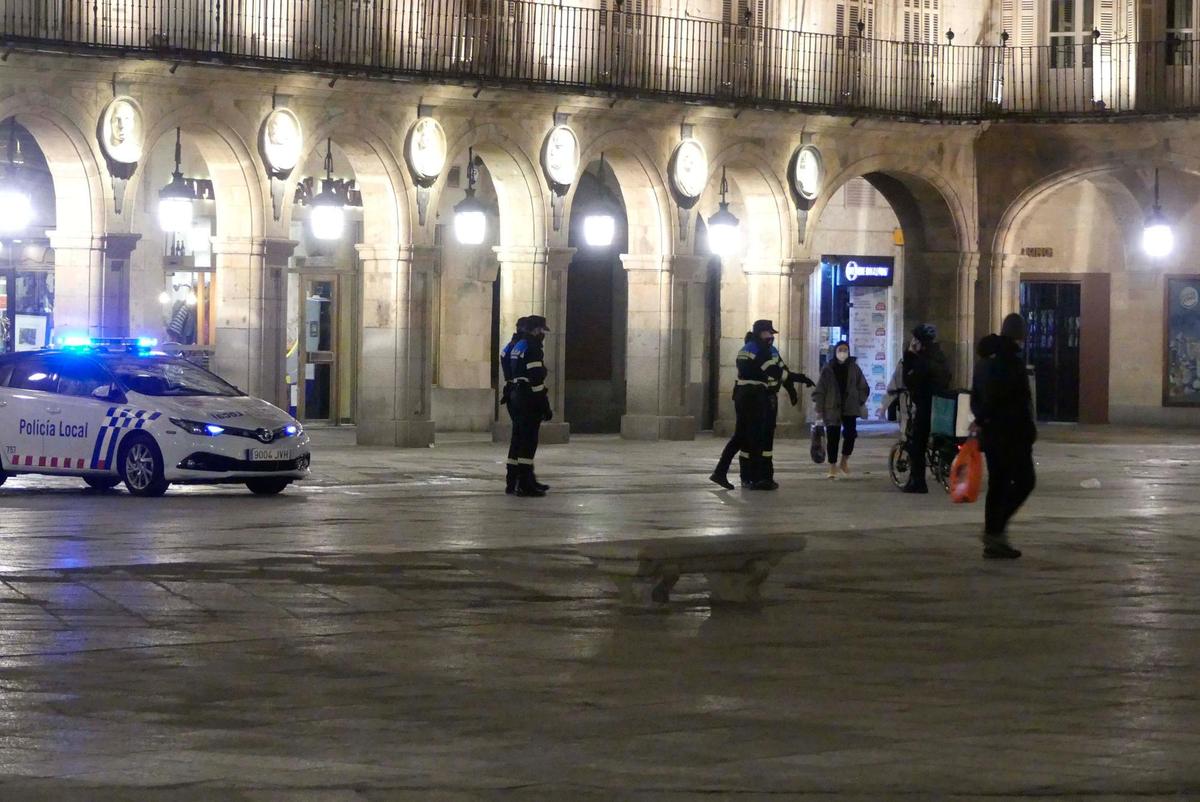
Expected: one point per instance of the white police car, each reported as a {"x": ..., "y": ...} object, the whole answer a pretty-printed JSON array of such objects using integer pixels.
[{"x": 116, "y": 410}]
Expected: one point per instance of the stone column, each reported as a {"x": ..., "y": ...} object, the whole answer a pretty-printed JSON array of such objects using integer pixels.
[
  {"x": 78, "y": 284},
  {"x": 395, "y": 375},
  {"x": 251, "y": 332},
  {"x": 691, "y": 272},
  {"x": 801, "y": 352},
  {"x": 533, "y": 281},
  {"x": 115, "y": 285},
  {"x": 769, "y": 296},
  {"x": 939, "y": 288},
  {"x": 656, "y": 395}
]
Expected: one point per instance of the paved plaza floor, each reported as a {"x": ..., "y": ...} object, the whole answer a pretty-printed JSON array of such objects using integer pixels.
[{"x": 397, "y": 628}]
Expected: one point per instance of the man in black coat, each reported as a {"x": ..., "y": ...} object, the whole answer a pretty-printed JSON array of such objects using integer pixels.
[
  {"x": 1003, "y": 407},
  {"x": 925, "y": 373}
]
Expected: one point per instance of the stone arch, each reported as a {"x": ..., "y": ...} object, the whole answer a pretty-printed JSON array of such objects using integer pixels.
[
  {"x": 520, "y": 190},
  {"x": 1086, "y": 223},
  {"x": 644, "y": 192},
  {"x": 79, "y": 184},
  {"x": 755, "y": 283},
  {"x": 80, "y": 208},
  {"x": 239, "y": 182},
  {"x": 939, "y": 234},
  {"x": 755, "y": 186},
  {"x": 378, "y": 173}
]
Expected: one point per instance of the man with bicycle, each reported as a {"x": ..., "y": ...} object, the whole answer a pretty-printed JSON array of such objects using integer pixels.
[{"x": 925, "y": 373}]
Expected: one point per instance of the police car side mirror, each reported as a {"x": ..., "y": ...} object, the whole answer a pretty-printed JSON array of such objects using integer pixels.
[{"x": 108, "y": 392}]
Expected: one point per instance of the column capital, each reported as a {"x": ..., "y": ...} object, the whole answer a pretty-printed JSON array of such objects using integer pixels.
[
  {"x": 783, "y": 268},
  {"x": 423, "y": 257},
  {"x": 521, "y": 254},
  {"x": 690, "y": 267},
  {"x": 120, "y": 246},
  {"x": 559, "y": 259},
  {"x": 802, "y": 267},
  {"x": 63, "y": 241},
  {"x": 278, "y": 251},
  {"x": 657, "y": 262},
  {"x": 239, "y": 246}
]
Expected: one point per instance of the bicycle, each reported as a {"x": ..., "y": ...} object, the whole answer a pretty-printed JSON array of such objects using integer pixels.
[{"x": 939, "y": 453}]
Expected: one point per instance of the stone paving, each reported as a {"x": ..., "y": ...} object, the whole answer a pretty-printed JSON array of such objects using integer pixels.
[{"x": 399, "y": 629}]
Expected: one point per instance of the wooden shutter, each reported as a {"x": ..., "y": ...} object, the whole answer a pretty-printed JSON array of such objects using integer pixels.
[
  {"x": 1027, "y": 23},
  {"x": 1107, "y": 22}
]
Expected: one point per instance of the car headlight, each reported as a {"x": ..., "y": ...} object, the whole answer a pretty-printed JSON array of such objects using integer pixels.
[
  {"x": 293, "y": 429},
  {"x": 197, "y": 427}
]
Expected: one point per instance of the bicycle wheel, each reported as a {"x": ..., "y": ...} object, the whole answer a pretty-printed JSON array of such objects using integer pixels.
[{"x": 899, "y": 466}]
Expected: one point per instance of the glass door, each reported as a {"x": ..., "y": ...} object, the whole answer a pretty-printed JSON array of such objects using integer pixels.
[
  {"x": 1053, "y": 311},
  {"x": 318, "y": 348}
]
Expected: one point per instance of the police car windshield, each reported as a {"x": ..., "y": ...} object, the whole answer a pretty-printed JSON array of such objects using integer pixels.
[{"x": 164, "y": 376}]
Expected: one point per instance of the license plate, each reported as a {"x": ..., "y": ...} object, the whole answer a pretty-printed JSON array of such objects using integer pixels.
[{"x": 268, "y": 454}]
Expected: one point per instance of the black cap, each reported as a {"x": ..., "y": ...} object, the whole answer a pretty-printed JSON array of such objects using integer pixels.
[
  {"x": 925, "y": 333},
  {"x": 764, "y": 325},
  {"x": 522, "y": 323},
  {"x": 536, "y": 322}
]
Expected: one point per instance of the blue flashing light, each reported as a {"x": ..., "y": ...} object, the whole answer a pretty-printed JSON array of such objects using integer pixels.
[
  {"x": 213, "y": 429},
  {"x": 76, "y": 341},
  {"x": 146, "y": 342},
  {"x": 291, "y": 430}
]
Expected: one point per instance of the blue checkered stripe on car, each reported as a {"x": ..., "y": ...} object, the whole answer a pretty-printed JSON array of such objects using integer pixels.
[{"x": 116, "y": 421}]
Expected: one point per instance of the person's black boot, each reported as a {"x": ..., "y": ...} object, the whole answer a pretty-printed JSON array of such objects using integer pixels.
[
  {"x": 719, "y": 477},
  {"x": 510, "y": 480},
  {"x": 744, "y": 472},
  {"x": 538, "y": 484},
  {"x": 999, "y": 551},
  {"x": 915, "y": 487},
  {"x": 765, "y": 484},
  {"x": 525, "y": 484}
]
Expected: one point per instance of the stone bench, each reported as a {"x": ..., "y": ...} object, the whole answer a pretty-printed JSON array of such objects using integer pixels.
[{"x": 736, "y": 566}]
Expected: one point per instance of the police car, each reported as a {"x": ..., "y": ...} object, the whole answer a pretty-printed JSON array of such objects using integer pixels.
[{"x": 111, "y": 411}]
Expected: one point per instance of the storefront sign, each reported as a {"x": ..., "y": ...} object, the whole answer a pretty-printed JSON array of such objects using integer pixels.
[
  {"x": 864, "y": 271},
  {"x": 1038, "y": 253},
  {"x": 1181, "y": 380}
]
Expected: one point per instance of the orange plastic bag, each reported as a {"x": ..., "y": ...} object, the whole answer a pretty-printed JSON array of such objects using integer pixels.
[{"x": 966, "y": 474}]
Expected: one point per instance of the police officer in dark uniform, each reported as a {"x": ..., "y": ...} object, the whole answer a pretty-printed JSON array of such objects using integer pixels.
[
  {"x": 777, "y": 374},
  {"x": 510, "y": 478},
  {"x": 529, "y": 402}
]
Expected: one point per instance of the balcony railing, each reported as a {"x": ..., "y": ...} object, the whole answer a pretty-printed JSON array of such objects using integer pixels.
[{"x": 530, "y": 44}]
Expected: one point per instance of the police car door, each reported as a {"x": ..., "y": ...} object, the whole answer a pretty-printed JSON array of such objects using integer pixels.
[
  {"x": 23, "y": 420},
  {"x": 83, "y": 401}
]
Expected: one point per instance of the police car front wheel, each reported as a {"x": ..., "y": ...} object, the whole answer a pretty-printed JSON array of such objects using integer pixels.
[
  {"x": 101, "y": 482},
  {"x": 141, "y": 466},
  {"x": 267, "y": 486}
]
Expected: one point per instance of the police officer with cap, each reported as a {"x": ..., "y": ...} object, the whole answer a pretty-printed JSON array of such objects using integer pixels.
[
  {"x": 761, "y": 372},
  {"x": 510, "y": 479},
  {"x": 529, "y": 402}
]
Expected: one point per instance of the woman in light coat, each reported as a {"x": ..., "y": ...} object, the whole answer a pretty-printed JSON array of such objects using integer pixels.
[{"x": 841, "y": 398}]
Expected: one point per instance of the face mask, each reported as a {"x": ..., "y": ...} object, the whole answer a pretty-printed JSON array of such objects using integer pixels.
[{"x": 842, "y": 356}]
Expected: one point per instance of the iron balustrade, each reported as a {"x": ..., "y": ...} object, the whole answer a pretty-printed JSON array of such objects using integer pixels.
[{"x": 529, "y": 44}]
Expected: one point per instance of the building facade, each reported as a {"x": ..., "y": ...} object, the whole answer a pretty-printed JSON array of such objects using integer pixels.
[{"x": 316, "y": 159}]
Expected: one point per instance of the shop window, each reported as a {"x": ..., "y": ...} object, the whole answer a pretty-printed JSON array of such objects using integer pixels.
[
  {"x": 26, "y": 297},
  {"x": 1071, "y": 23}
]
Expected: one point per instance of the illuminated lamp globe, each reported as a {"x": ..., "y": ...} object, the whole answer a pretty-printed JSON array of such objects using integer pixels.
[
  {"x": 16, "y": 211},
  {"x": 175, "y": 206},
  {"x": 1158, "y": 239},
  {"x": 724, "y": 233},
  {"x": 599, "y": 230},
  {"x": 470, "y": 220},
  {"x": 327, "y": 216}
]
